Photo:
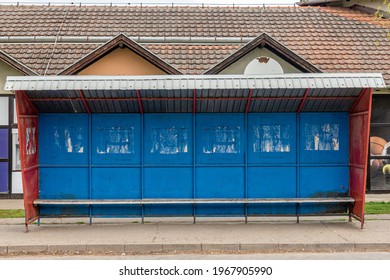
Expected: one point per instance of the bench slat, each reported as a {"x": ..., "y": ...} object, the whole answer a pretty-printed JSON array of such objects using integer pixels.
[{"x": 191, "y": 201}]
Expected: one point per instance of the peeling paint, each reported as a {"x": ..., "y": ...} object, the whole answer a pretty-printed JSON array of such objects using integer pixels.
[
  {"x": 115, "y": 140},
  {"x": 169, "y": 141},
  {"x": 271, "y": 138},
  {"x": 70, "y": 139},
  {"x": 31, "y": 147},
  {"x": 322, "y": 137},
  {"x": 221, "y": 140}
]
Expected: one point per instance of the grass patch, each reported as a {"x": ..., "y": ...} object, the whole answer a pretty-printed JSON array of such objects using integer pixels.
[
  {"x": 377, "y": 208},
  {"x": 11, "y": 213}
]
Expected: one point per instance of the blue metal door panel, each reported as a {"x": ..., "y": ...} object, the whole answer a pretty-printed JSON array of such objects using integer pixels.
[
  {"x": 272, "y": 182},
  {"x": 116, "y": 183},
  {"x": 63, "y": 183},
  {"x": 116, "y": 139},
  {"x": 272, "y": 138},
  {"x": 220, "y": 139},
  {"x": 165, "y": 182},
  {"x": 168, "y": 139},
  {"x": 324, "y": 138},
  {"x": 321, "y": 181},
  {"x": 220, "y": 182},
  {"x": 63, "y": 139}
]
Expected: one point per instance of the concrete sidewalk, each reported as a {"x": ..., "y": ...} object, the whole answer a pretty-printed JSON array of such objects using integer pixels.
[
  {"x": 212, "y": 236},
  {"x": 179, "y": 235}
]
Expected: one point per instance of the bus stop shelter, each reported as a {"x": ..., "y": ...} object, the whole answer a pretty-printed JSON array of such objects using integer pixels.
[{"x": 210, "y": 145}]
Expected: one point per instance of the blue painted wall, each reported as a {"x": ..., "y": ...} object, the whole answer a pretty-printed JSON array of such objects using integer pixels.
[{"x": 123, "y": 156}]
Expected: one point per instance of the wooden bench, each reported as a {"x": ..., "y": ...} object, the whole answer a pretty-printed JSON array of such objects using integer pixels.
[{"x": 196, "y": 201}]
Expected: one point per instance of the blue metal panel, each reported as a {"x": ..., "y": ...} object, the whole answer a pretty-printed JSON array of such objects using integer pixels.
[
  {"x": 3, "y": 177},
  {"x": 155, "y": 158},
  {"x": 220, "y": 182},
  {"x": 63, "y": 139},
  {"x": 63, "y": 183},
  {"x": 271, "y": 182},
  {"x": 168, "y": 139},
  {"x": 322, "y": 181},
  {"x": 4, "y": 149},
  {"x": 324, "y": 138},
  {"x": 271, "y": 138},
  {"x": 167, "y": 182},
  {"x": 116, "y": 139},
  {"x": 220, "y": 139},
  {"x": 4, "y": 143},
  {"x": 116, "y": 183}
]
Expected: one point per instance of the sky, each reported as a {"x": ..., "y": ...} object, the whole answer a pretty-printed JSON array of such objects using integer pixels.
[{"x": 188, "y": 2}]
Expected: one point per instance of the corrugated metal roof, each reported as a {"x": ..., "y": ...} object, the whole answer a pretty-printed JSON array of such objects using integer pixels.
[
  {"x": 286, "y": 81},
  {"x": 183, "y": 94}
]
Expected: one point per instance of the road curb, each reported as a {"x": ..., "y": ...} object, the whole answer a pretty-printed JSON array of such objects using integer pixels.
[{"x": 193, "y": 248}]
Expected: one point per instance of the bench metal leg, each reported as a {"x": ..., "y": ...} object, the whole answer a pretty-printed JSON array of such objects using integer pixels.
[
  {"x": 194, "y": 213},
  {"x": 350, "y": 213},
  {"x": 298, "y": 212},
  {"x": 142, "y": 215},
  {"x": 39, "y": 221},
  {"x": 246, "y": 213}
]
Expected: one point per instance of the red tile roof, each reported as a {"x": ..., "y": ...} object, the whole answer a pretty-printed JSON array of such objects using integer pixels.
[
  {"x": 53, "y": 57},
  {"x": 332, "y": 39},
  {"x": 174, "y": 21},
  {"x": 192, "y": 59}
]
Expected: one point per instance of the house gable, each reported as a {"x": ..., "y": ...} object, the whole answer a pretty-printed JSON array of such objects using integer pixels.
[
  {"x": 120, "y": 56},
  {"x": 11, "y": 67},
  {"x": 264, "y": 45},
  {"x": 238, "y": 67},
  {"x": 122, "y": 61}
]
